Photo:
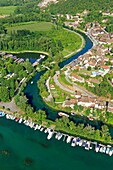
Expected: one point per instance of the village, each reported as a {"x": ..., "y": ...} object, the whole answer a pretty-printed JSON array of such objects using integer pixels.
[{"x": 89, "y": 69}]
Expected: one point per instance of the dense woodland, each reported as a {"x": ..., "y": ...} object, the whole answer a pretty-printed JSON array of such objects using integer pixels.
[
  {"x": 76, "y": 6},
  {"x": 24, "y": 39},
  {"x": 11, "y": 73},
  {"x": 16, "y": 2}
]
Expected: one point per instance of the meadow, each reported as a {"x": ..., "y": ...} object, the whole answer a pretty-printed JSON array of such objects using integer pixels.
[
  {"x": 7, "y": 10},
  {"x": 32, "y": 26},
  {"x": 70, "y": 40}
]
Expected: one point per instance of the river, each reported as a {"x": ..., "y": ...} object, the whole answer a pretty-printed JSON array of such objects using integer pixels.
[{"x": 22, "y": 148}]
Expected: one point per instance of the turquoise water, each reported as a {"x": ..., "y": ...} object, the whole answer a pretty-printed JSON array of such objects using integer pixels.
[{"x": 23, "y": 143}]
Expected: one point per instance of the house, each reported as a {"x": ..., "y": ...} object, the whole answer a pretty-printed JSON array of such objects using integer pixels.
[
  {"x": 52, "y": 86},
  {"x": 77, "y": 78},
  {"x": 88, "y": 26},
  {"x": 66, "y": 103},
  {"x": 100, "y": 104},
  {"x": 78, "y": 95},
  {"x": 76, "y": 67},
  {"x": 105, "y": 68},
  {"x": 92, "y": 80},
  {"x": 110, "y": 107},
  {"x": 73, "y": 101},
  {"x": 86, "y": 101}
]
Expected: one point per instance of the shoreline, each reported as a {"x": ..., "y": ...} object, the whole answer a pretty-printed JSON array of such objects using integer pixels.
[
  {"x": 80, "y": 48},
  {"x": 19, "y": 116},
  {"x": 27, "y": 51},
  {"x": 70, "y": 138}
]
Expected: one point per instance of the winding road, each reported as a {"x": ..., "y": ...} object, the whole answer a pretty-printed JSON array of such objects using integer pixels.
[{"x": 78, "y": 88}]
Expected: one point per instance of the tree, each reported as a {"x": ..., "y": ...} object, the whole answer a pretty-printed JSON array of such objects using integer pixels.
[
  {"x": 89, "y": 68},
  {"x": 4, "y": 93}
]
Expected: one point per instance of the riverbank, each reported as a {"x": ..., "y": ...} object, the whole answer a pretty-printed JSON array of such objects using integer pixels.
[
  {"x": 81, "y": 47},
  {"x": 74, "y": 140},
  {"x": 26, "y": 51}
]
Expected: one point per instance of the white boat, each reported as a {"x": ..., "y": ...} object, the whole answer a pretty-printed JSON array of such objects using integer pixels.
[
  {"x": 56, "y": 136},
  {"x": 20, "y": 121},
  {"x": 42, "y": 56},
  {"x": 73, "y": 142},
  {"x": 2, "y": 114},
  {"x": 87, "y": 146},
  {"x": 101, "y": 149},
  {"x": 31, "y": 82},
  {"x": 80, "y": 143},
  {"x": 110, "y": 151},
  {"x": 27, "y": 123},
  {"x": 36, "y": 127},
  {"x": 46, "y": 130},
  {"x": 97, "y": 147},
  {"x": 32, "y": 125},
  {"x": 107, "y": 150},
  {"x": 60, "y": 136},
  {"x": 42, "y": 129},
  {"x": 39, "y": 127},
  {"x": 104, "y": 149},
  {"x": 51, "y": 132},
  {"x": 13, "y": 117},
  {"x": 78, "y": 140},
  {"x": 24, "y": 121},
  {"x": 68, "y": 140},
  {"x": 63, "y": 114}
]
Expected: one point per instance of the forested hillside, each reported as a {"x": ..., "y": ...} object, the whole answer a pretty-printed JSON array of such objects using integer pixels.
[
  {"x": 75, "y": 6},
  {"x": 15, "y": 2}
]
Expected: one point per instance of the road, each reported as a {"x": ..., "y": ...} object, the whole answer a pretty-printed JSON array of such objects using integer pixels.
[
  {"x": 61, "y": 86},
  {"x": 84, "y": 92},
  {"x": 78, "y": 88}
]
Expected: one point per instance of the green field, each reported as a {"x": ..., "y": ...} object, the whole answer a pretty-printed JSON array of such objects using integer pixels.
[
  {"x": 70, "y": 40},
  {"x": 7, "y": 10},
  {"x": 32, "y": 26}
]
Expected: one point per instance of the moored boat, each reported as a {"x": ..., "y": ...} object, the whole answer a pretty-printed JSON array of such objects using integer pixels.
[
  {"x": 68, "y": 140},
  {"x": 77, "y": 141},
  {"x": 46, "y": 130},
  {"x": 2, "y": 114},
  {"x": 20, "y": 121},
  {"x": 110, "y": 151},
  {"x": 51, "y": 132},
  {"x": 107, "y": 150},
  {"x": 63, "y": 114},
  {"x": 97, "y": 147},
  {"x": 16, "y": 119},
  {"x": 42, "y": 128},
  {"x": 39, "y": 127},
  {"x": 80, "y": 142},
  {"x": 60, "y": 136},
  {"x": 73, "y": 142}
]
